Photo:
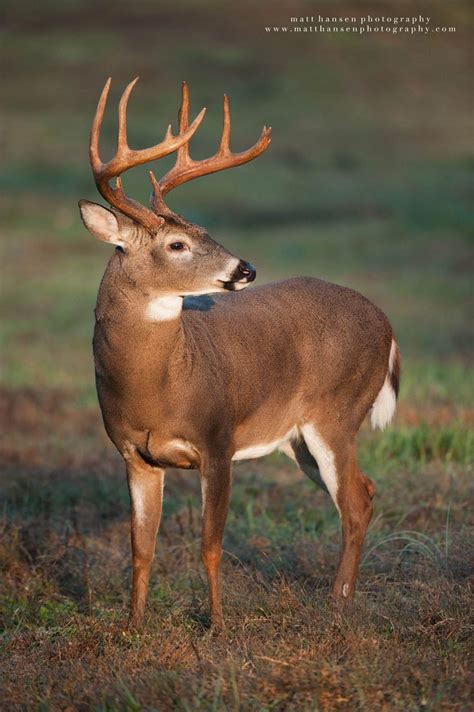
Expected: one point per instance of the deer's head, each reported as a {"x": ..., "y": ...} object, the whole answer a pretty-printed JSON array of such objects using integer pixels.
[{"x": 163, "y": 253}]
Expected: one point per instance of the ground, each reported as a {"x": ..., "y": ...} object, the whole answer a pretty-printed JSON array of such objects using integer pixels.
[{"x": 367, "y": 183}]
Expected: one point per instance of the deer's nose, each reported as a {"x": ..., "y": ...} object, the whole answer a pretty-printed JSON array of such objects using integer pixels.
[{"x": 245, "y": 269}]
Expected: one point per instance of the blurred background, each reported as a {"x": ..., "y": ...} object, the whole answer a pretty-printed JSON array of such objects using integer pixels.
[{"x": 368, "y": 182}]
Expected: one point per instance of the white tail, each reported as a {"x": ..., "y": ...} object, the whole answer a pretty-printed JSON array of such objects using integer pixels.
[{"x": 385, "y": 404}]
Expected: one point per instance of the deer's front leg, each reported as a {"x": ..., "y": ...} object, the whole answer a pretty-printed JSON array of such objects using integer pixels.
[
  {"x": 216, "y": 478},
  {"x": 145, "y": 485}
]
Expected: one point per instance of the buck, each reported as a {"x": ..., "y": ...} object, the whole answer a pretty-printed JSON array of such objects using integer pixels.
[{"x": 191, "y": 374}]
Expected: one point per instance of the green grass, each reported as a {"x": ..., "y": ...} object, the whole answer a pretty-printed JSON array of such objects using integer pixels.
[
  {"x": 367, "y": 183},
  {"x": 422, "y": 444}
]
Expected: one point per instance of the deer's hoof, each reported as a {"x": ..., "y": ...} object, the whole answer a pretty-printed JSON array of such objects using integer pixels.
[
  {"x": 135, "y": 624},
  {"x": 217, "y": 625},
  {"x": 341, "y": 594}
]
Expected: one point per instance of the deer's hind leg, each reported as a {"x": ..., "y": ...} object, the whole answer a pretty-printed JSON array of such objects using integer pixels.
[
  {"x": 297, "y": 450},
  {"x": 352, "y": 492}
]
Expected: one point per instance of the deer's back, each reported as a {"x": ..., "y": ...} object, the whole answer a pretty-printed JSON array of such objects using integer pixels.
[
  {"x": 295, "y": 342},
  {"x": 304, "y": 317}
]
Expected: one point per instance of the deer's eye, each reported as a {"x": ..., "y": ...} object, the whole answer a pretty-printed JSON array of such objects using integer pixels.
[{"x": 177, "y": 246}]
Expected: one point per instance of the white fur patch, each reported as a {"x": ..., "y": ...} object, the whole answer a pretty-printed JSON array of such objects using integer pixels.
[
  {"x": 324, "y": 456},
  {"x": 262, "y": 449},
  {"x": 288, "y": 450},
  {"x": 385, "y": 404},
  {"x": 201, "y": 292},
  {"x": 203, "y": 492},
  {"x": 139, "y": 501},
  {"x": 164, "y": 308},
  {"x": 183, "y": 445},
  {"x": 139, "y": 495}
]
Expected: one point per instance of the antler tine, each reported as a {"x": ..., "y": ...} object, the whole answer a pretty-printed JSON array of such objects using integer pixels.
[
  {"x": 94, "y": 155},
  {"x": 126, "y": 158},
  {"x": 224, "y": 146},
  {"x": 183, "y": 120},
  {"x": 182, "y": 156},
  {"x": 122, "y": 144},
  {"x": 156, "y": 199},
  {"x": 185, "y": 168}
]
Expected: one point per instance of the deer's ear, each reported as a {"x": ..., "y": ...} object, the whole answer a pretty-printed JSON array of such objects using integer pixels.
[{"x": 106, "y": 225}]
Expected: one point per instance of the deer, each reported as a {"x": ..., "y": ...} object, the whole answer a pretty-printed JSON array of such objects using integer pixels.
[{"x": 191, "y": 373}]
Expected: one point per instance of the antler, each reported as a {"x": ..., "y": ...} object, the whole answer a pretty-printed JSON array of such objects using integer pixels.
[
  {"x": 126, "y": 158},
  {"x": 186, "y": 168}
]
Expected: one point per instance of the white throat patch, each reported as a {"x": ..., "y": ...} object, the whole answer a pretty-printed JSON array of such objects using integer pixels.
[{"x": 164, "y": 308}]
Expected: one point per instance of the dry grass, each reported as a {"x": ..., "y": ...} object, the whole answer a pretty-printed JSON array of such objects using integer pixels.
[{"x": 66, "y": 569}]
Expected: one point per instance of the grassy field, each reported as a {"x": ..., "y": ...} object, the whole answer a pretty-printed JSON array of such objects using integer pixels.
[{"x": 367, "y": 183}]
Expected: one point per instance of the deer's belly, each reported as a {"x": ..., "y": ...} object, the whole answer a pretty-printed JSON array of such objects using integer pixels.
[{"x": 265, "y": 446}]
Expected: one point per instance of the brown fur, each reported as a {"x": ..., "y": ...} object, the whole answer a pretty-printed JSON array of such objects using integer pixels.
[
  {"x": 231, "y": 371},
  {"x": 191, "y": 384}
]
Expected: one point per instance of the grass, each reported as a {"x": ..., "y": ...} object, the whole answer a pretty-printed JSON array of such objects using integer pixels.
[
  {"x": 66, "y": 568},
  {"x": 367, "y": 183}
]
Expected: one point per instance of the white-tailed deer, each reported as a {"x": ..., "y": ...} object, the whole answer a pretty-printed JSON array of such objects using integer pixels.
[{"x": 195, "y": 381}]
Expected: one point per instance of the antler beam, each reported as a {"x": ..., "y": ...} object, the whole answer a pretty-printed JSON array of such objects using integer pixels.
[{"x": 126, "y": 158}]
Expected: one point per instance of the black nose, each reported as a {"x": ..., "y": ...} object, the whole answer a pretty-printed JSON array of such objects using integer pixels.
[{"x": 247, "y": 270}]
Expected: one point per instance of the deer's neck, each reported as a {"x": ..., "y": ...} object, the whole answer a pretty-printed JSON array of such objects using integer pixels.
[{"x": 139, "y": 334}]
